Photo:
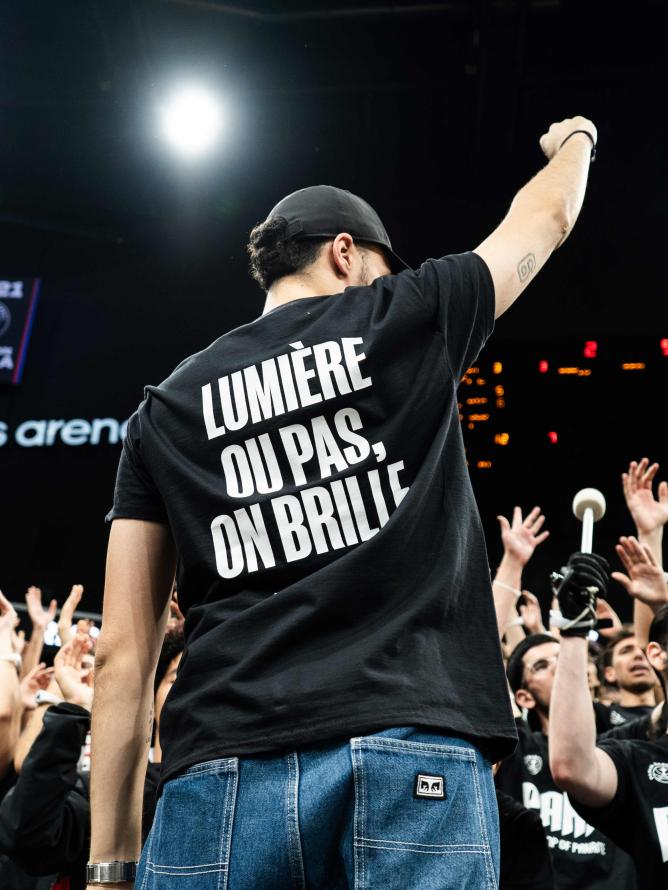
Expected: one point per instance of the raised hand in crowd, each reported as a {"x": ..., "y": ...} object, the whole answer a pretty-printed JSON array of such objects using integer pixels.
[
  {"x": 649, "y": 513},
  {"x": 10, "y": 693},
  {"x": 40, "y": 618},
  {"x": 645, "y": 580},
  {"x": 38, "y": 678},
  {"x": 531, "y": 614},
  {"x": 520, "y": 539},
  {"x": 66, "y": 619},
  {"x": 605, "y": 612},
  {"x": 73, "y": 676}
]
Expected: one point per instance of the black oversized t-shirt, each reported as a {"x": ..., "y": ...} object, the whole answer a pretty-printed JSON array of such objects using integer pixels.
[
  {"x": 583, "y": 857},
  {"x": 637, "y": 817},
  {"x": 332, "y": 561}
]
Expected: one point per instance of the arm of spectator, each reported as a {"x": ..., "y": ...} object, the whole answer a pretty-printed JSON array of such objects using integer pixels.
[
  {"x": 38, "y": 678},
  {"x": 10, "y": 693},
  {"x": 542, "y": 213},
  {"x": 74, "y": 680},
  {"x": 645, "y": 581},
  {"x": 39, "y": 617},
  {"x": 649, "y": 514},
  {"x": 71, "y": 683},
  {"x": 580, "y": 768},
  {"x": 66, "y": 618},
  {"x": 140, "y": 567},
  {"x": 514, "y": 634},
  {"x": 519, "y": 538},
  {"x": 32, "y": 730},
  {"x": 44, "y": 820}
]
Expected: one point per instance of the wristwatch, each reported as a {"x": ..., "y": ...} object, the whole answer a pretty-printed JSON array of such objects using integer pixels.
[{"x": 110, "y": 872}]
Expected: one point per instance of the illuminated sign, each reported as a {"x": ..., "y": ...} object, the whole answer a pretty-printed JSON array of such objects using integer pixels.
[
  {"x": 18, "y": 301},
  {"x": 543, "y": 366},
  {"x": 633, "y": 366},
  {"x": 502, "y": 439},
  {"x": 497, "y": 367},
  {"x": 590, "y": 349}
]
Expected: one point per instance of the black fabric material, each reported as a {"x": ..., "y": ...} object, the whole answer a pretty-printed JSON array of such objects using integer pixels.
[
  {"x": 45, "y": 818},
  {"x": 582, "y": 856},
  {"x": 613, "y": 716},
  {"x": 385, "y": 616},
  {"x": 525, "y": 858},
  {"x": 326, "y": 211},
  {"x": 14, "y": 878},
  {"x": 637, "y": 817}
]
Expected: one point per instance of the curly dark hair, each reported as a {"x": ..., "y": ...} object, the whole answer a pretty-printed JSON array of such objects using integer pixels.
[{"x": 273, "y": 255}]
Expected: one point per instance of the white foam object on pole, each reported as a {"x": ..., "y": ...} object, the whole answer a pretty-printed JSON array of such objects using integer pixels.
[{"x": 589, "y": 507}]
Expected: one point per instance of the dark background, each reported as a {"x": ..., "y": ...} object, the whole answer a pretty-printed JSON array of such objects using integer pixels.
[{"x": 432, "y": 112}]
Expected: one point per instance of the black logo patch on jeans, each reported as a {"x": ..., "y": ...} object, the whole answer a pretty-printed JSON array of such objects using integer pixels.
[{"x": 429, "y": 787}]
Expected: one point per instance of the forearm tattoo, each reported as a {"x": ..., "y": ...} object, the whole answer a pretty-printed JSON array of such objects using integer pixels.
[{"x": 526, "y": 267}]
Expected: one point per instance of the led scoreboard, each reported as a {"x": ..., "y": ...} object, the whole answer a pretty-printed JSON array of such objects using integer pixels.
[{"x": 547, "y": 403}]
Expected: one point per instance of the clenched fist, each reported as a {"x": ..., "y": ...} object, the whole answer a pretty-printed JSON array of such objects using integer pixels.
[{"x": 550, "y": 141}]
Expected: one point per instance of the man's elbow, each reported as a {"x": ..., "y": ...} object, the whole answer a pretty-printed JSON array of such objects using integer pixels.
[{"x": 563, "y": 771}]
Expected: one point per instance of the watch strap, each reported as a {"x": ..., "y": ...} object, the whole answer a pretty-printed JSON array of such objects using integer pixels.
[{"x": 110, "y": 872}]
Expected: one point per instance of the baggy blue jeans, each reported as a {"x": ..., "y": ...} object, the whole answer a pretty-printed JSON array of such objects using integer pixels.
[{"x": 397, "y": 810}]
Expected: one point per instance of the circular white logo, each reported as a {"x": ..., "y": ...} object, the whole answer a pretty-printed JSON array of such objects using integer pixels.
[
  {"x": 658, "y": 772},
  {"x": 533, "y": 763},
  {"x": 5, "y": 318}
]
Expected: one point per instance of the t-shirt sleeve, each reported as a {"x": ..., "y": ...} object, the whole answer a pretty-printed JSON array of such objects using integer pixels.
[
  {"x": 607, "y": 819},
  {"x": 462, "y": 290},
  {"x": 136, "y": 495}
]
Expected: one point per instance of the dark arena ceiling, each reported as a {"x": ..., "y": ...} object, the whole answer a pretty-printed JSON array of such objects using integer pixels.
[{"x": 431, "y": 110}]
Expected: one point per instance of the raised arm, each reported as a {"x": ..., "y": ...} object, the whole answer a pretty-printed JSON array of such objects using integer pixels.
[
  {"x": 40, "y": 618},
  {"x": 10, "y": 695},
  {"x": 577, "y": 765},
  {"x": 140, "y": 569},
  {"x": 519, "y": 538},
  {"x": 542, "y": 213},
  {"x": 649, "y": 514}
]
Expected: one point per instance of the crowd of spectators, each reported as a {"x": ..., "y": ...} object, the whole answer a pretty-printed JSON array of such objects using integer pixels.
[{"x": 583, "y": 801}]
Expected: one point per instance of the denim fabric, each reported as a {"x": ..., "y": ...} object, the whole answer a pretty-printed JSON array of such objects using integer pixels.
[{"x": 335, "y": 817}]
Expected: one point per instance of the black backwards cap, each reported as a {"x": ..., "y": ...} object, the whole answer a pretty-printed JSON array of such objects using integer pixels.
[
  {"x": 323, "y": 211},
  {"x": 515, "y": 668}
]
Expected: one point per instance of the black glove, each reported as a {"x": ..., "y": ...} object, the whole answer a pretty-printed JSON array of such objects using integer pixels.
[{"x": 577, "y": 587}]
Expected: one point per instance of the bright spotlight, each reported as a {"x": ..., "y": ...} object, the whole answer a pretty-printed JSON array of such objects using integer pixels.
[{"x": 191, "y": 121}]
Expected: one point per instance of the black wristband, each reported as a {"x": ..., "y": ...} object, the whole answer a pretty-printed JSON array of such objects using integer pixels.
[{"x": 593, "y": 144}]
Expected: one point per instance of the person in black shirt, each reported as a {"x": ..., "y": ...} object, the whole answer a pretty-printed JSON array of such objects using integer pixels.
[
  {"x": 582, "y": 855},
  {"x": 309, "y": 470},
  {"x": 625, "y": 666},
  {"x": 618, "y": 785}
]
